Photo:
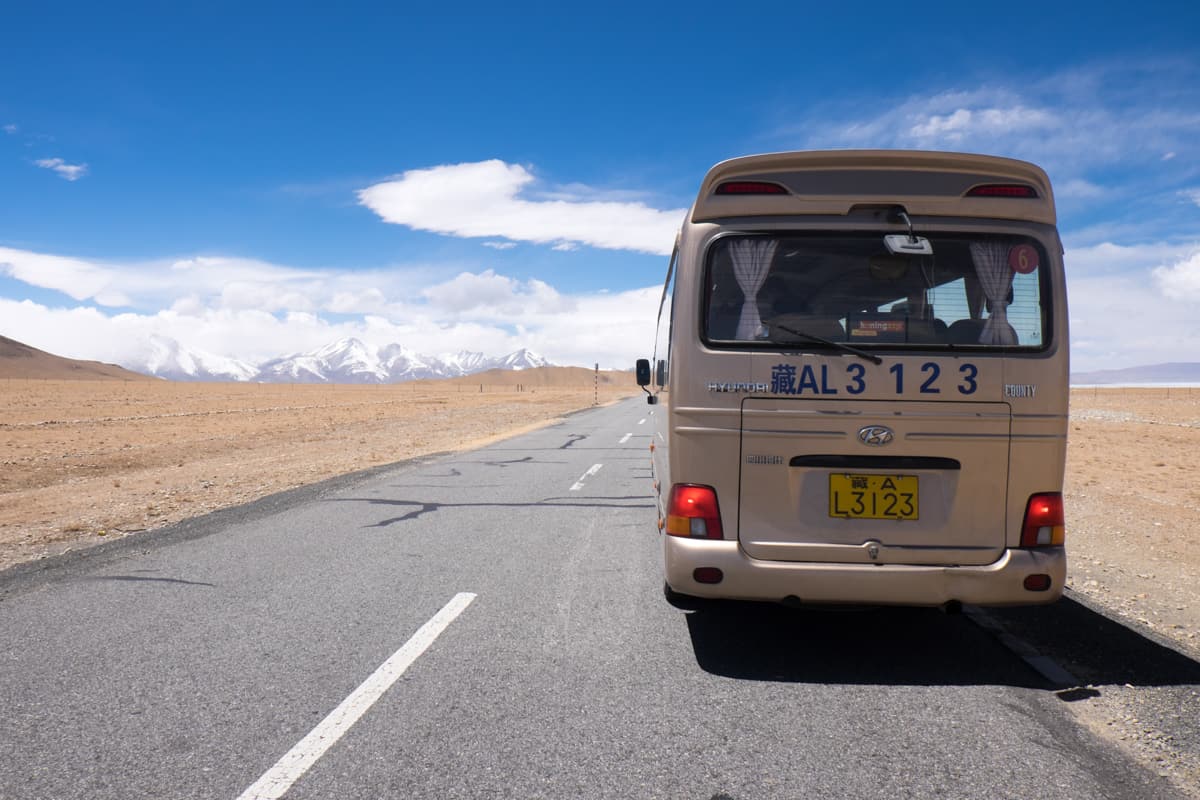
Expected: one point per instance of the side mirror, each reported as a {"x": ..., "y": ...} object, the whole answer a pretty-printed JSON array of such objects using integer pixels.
[
  {"x": 643, "y": 372},
  {"x": 661, "y": 378},
  {"x": 651, "y": 400}
]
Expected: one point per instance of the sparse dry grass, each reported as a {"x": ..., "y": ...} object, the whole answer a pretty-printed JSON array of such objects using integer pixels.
[
  {"x": 1133, "y": 505},
  {"x": 82, "y": 461}
]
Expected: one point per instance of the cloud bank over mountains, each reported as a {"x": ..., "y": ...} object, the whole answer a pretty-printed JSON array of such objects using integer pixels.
[{"x": 252, "y": 311}]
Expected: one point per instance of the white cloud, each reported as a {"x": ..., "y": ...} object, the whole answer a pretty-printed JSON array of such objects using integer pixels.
[
  {"x": 964, "y": 124},
  {"x": 1192, "y": 195},
  {"x": 1181, "y": 280},
  {"x": 1077, "y": 188},
  {"x": 500, "y": 245},
  {"x": 251, "y": 310},
  {"x": 208, "y": 282},
  {"x": 484, "y": 199},
  {"x": 11, "y": 130},
  {"x": 1123, "y": 321},
  {"x": 70, "y": 172},
  {"x": 1108, "y": 258},
  {"x": 1105, "y": 116},
  {"x": 613, "y": 329},
  {"x": 496, "y": 298},
  {"x": 1133, "y": 305},
  {"x": 76, "y": 278}
]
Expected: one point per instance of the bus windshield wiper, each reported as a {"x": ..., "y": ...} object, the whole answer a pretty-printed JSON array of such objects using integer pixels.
[{"x": 874, "y": 359}]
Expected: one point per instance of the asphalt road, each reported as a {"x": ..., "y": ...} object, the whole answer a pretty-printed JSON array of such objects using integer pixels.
[{"x": 193, "y": 662}]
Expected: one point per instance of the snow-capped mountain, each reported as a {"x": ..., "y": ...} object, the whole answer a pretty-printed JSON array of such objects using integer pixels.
[
  {"x": 164, "y": 357},
  {"x": 522, "y": 359},
  {"x": 343, "y": 361},
  {"x": 465, "y": 362},
  {"x": 403, "y": 364}
]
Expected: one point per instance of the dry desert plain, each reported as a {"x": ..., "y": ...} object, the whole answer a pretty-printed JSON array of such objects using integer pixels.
[{"x": 85, "y": 461}]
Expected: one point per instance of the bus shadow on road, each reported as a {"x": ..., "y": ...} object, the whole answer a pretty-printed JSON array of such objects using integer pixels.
[
  {"x": 878, "y": 646},
  {"x": 923, "y": 647},
  {"x": 1097, "y": 647}
]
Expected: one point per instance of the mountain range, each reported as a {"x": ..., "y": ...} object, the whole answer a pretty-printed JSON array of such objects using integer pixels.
[
  {"x": 1176, "y": 372},
  {"x": 344, "y": 361}
]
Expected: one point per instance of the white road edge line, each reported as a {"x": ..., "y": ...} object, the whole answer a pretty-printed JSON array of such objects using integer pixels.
[
  {"x": 579, "y": 483},
  {"x": 279, "y": 778},
  {"x": 625, "y": 438}
]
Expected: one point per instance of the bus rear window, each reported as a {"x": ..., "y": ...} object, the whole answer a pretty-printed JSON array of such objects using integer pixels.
[{"x": 984, "y": 291}]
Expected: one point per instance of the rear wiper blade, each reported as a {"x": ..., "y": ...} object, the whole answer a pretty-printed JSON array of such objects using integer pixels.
[{"x": 874, "y": 359}]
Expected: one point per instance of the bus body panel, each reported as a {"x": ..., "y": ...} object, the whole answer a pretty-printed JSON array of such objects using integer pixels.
[
  {"x": 949, "y": 453},
  {"x": 982, "y": 430},
  {"x": 997, "y": 584}
]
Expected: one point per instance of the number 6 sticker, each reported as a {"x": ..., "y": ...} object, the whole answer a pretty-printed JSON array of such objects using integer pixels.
[{"x": 1023, "y": 259}]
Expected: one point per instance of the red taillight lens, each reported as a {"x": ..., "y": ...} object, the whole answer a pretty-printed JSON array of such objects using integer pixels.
[
  {"x": 1037, "y": 583},
  {"x": 1002, "y": 190},
  {"x": 692, "y": 511},
  {"x": 1044, "y": 525},
  {"x": 750, "y": 187}
]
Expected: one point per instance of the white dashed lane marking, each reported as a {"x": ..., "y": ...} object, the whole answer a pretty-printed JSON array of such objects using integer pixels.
[
  {"x": 592, "y": 471},
  {"x": 279, "y": 778},
  {"x": 625, "y": 438}
]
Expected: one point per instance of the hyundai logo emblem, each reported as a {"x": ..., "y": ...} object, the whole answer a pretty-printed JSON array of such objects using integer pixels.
[{"x": 876, "y": 435}]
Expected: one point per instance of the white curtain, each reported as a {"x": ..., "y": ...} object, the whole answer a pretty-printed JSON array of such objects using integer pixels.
[
  {"x": 996, "y": 277},
  {"x": 751, "y": 260}
]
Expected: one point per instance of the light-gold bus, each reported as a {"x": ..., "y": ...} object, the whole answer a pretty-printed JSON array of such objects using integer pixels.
[{"x": 860, "y": 387}]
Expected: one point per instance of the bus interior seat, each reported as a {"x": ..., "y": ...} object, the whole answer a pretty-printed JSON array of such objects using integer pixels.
[
  {"x": 968, "y": 331},
  {"x": 926, "y": 331},
  {"x": 965, "y": 331}
]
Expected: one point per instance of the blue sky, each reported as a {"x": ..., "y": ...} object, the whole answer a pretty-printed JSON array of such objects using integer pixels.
[{"x": 259, "y": 179}]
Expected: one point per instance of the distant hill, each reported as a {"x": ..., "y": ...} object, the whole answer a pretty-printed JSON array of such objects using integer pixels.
[
  {"x": 1155, "y": 373},
  {"x": 19, "y": 360}
]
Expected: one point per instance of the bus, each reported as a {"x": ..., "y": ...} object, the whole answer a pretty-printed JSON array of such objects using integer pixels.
[{"x": 860, "y": 383}]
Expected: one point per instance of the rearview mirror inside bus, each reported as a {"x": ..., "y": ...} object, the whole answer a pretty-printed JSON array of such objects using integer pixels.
[{"x": 903, "y": 244}]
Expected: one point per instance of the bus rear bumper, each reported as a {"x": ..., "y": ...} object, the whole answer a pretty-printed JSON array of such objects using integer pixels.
[{"x": 1001, "y": 583}]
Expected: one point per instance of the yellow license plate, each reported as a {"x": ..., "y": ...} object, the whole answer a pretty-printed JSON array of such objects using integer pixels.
[{"x": 873, "y": 496}]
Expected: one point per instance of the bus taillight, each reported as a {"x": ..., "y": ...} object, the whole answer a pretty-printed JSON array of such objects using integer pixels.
[
  {"x": 692, "y": 511},
  {"x": 749, "y": 187},
  {"x": 1003, "y": 190},
  {"x": 1044, "y": 524}
]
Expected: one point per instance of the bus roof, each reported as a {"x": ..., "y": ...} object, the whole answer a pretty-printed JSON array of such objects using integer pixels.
[{"x": 834, "y": 182}]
